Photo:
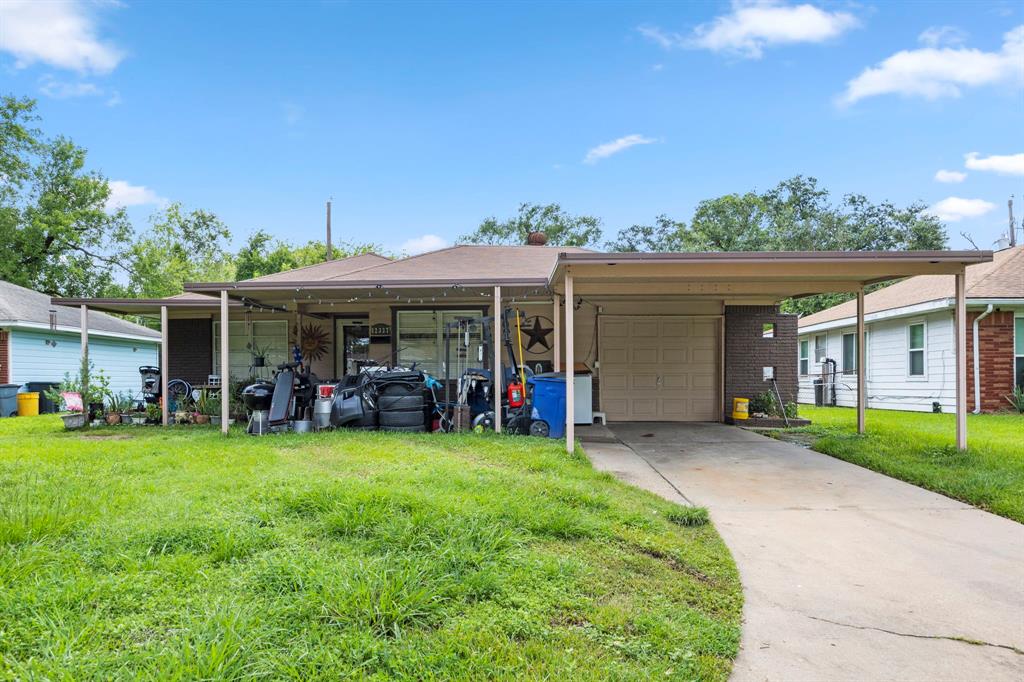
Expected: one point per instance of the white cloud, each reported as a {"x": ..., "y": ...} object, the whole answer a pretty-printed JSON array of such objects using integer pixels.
[
  {"x": 936, "y": 36},
  {"x": 51, "y": 87},
  {"x": 949, "y": 176},
  {"x": 603, "y": 151},
  {"x": 953, "y": 209},
  {"x": 428, "y": 242},
  {"x": 124, "y": 194},
  {"x": 753, "y": 26},
  {"x": 934, "y": 72},
  {"x": 60, "y": 33},
  {"x": 1009, "y": 164}
]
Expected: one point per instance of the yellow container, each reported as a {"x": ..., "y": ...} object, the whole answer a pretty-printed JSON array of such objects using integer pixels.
[
  {"x": 740, "y": 408},
  {"x": 28, "y": 404}
]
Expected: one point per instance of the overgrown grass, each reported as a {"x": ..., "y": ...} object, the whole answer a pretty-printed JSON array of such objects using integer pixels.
[
  {"x": 920, "y": 448},
  {"x": 139, "y": 552}
]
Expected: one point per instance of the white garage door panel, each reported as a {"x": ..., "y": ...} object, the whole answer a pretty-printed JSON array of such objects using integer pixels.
[{"x": 659, "y": 368}]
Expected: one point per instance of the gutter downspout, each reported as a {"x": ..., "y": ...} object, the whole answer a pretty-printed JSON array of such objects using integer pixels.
[{"x": 977, "y": 360}]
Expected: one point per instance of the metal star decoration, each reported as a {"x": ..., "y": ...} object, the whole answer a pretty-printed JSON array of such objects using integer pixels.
[{"x": 537, "y": 332}]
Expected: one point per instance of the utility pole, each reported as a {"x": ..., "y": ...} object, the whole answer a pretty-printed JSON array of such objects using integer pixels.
[
  {"x": 1013, "y": 229},
  {"x": 330, "y": 255}
]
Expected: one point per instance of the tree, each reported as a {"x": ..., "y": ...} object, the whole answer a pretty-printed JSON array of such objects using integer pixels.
[
  {"x": 795, "y": 215},
  {"x": 263, "y": 255},
  {"x": 664, "y": 235},
  {"x": 180, "y": 246},
  {"x": 57, "y": 233},
  {"x": 560, "y": 227}
]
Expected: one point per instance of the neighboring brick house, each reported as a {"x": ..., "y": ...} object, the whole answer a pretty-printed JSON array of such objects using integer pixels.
[{"x": 910, "y": 341}]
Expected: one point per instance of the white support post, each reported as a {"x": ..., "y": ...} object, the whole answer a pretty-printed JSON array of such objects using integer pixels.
[
  {"x": 84, "y": 322},
  {"x": 570, "y": 389},
  {"x": 498, "y": 383},
  {"x": 960, "y": 321},
  {"x": 165, "y": 336},
  {"x": 862, "y": 386},
  {"x": 556, "y": 322},
  {"x": 225, "y": 377}
]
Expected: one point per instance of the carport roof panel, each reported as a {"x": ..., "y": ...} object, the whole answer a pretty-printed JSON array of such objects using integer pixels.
[{"x": 831, "y": 267}]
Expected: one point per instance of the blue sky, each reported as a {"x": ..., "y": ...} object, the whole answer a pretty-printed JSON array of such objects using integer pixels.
[{"x": 421, "y": 119}]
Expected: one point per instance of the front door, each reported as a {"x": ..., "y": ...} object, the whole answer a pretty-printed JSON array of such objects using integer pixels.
[
  {"x": 352, "y": 350},
  {"x": 659, "y": 368}
]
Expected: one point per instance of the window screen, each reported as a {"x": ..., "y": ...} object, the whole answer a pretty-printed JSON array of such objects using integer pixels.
[
  {"x": 269, "y": 334},
  {"x": 849, "y": 353},
  {"x": 916, "y": 341},
  {"x": 420, "y": 340},
  {"x": 803, "y": 356}
]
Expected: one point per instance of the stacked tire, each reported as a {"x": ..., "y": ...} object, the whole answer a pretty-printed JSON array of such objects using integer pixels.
[{"x": 402, "y": 406}]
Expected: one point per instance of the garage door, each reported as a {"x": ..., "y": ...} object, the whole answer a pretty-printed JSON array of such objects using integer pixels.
[{"x": 659, "y": 368}]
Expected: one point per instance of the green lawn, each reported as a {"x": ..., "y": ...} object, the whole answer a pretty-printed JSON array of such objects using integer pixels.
[
  {"x": 920, "y": 448},
  {"x": 140, "y": 552}
]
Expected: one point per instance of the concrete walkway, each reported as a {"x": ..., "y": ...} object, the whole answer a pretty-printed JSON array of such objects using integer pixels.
[{"x": 847, "y": 574}]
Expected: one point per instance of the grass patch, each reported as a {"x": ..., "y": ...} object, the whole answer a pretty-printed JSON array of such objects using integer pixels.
[
  {"x": 918, "y": 447},
  {"x": 180, "y": 554}
]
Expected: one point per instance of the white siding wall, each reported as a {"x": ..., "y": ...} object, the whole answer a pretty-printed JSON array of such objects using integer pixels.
[{"x": 888, "y": 382}]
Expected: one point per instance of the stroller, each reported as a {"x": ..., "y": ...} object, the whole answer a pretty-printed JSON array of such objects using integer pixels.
[{"x": 176, "y": 388}]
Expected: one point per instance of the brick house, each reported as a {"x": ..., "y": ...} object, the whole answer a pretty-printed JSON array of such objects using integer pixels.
[
  {"x": 663, "y": 337},
  {"x": 910, "y": 341}
]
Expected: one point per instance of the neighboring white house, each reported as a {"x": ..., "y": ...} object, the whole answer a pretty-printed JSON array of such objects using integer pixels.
[{"x": 911, "y": 346}]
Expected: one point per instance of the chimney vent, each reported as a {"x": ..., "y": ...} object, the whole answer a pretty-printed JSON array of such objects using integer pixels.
[{"x": 536, "y": 239}]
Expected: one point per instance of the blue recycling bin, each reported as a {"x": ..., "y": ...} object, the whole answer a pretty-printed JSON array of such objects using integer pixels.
[
  {"x": 9, "y": 399},
  {"x": 548, "y": 397}
]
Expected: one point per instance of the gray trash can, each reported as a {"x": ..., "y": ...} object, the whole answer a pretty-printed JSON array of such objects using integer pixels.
[
  {"x": 9, "y": 400},
  {"x": 819, "y": 393}
]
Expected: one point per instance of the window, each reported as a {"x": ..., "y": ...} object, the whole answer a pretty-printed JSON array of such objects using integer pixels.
[
  {"x": 1018, "y": 350},
  {"x": 849, "y": 353},
  {"x": 269, "y": 334},
  {"x": 915, "y": 349},
  {"x": 804, "y": 363},
  {"x": 420, "y": 340},
  {"x": 820, "y": 348}
]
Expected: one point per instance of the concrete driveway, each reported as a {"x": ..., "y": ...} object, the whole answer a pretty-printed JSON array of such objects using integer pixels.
[{"x": 847, "y": 574}]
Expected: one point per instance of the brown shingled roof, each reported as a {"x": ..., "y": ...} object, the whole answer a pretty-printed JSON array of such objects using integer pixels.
[
  {"x": 1001, "y": 278},
  {"x": 468, "y": 262},
  {"x": 326, "y": 270}
]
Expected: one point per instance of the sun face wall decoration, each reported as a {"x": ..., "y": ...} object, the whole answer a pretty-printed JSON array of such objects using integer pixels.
[{"x": 314, "y": 345}]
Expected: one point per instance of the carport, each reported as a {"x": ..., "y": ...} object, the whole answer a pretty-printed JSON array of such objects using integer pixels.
[{"x": 674, "y": 362}]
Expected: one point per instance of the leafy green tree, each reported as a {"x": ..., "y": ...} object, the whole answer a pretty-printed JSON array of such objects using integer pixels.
[
  {"x": 561, "y": 228},
  {"x": 665, "y": 235},
  {"x": 57, "y": 233},
  {"x": 263, "y": 255},
  {"x": 795, "y": 215},
  {"x": 180, "y": 246}
]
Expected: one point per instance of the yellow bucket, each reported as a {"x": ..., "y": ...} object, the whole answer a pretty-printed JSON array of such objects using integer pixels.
[
  {"x": 28, "y": 404},
  {"x": 740, "y": 408}
]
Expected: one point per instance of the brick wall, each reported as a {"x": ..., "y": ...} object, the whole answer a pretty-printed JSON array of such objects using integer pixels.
[
  {"x": 4, "y": 357},
  {"x": 747, "y": 352},
  {"x": 190, "y": 349},
  {"x": 995, "y": 338}
]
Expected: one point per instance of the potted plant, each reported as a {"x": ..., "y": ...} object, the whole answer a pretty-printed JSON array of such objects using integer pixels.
[
  {"x": 114, "y": 409},
  {"x": 212, "y": 408},
  {"x": 186, "y": 410},
  {"x": 153, "y": 413},
  {"x": 96, "y": 387},
  {"x": 259, "y": 354},
  {"x": 202, "y": 407},
  {"x": 127, "y": 408},
  {"x": 139, "y": 417}
]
